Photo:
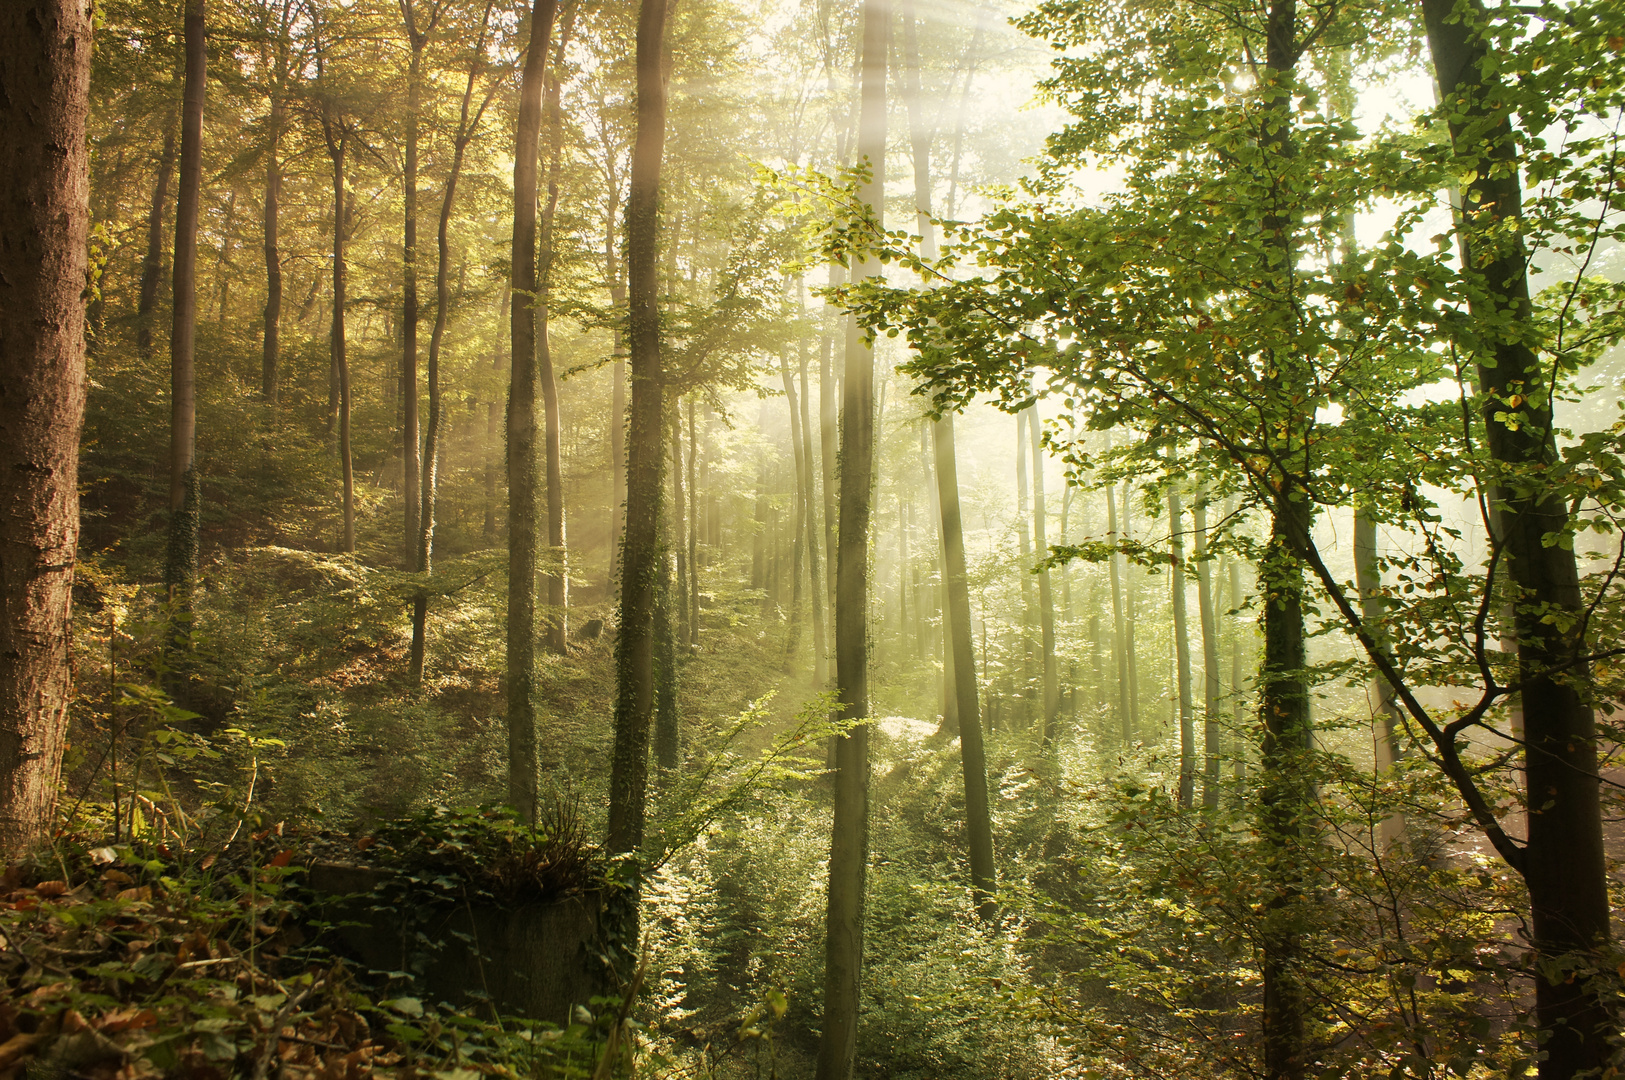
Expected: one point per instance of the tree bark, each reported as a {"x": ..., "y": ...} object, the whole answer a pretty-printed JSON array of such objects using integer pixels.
[
  {"x": 1564, "y": 864},
  {"x": 271, "y": 356},
  {"x": 152, "y": 266},
  {"x": 1125, "y": 716},
  {"x": 338, "y": 136},
  {"x": 1182, "y": 646},
  {"x": 849, "y": 844},
  {"x": 679, "y": 520},
  {"x": 640, "y": 554},
  {"x": 523, "y": 763},
  {"x": 442, "y": 302},
  {"x": 180, "y": 564},
  {"x": 556, "y": 575},
  {"x": 815, "y": 571},
  {"x": 1046, "y": 596},
  {"x": 45, "y": 60},
  {"x": 1210, "y": 656},
  {"x": 1024, "y": 564},
  {"x": 693, "y": 532}
]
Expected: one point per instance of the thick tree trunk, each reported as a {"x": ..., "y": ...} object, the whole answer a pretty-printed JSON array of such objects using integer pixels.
[
  {"x": 152, "y": 265},
  {"x": 1046, "y": 597},
  {"x": 1182, "y": 649},
  {"x": 180, "y": 564},
  {"x": 557, "y": 575},
  {"x": 640, "y": 554},
  {"x": 523, "y": 763},
  {"x": 45, "y": 59},
  {"x": 1210, "y": 656},
  {"x": 1564, "y": 864},
  {"x": 849, "y": 844}
]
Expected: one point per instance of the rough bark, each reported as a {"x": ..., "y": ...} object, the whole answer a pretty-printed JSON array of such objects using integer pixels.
[
  {"x": 45, "y": 58},
  {"x": 640, "y": 554},
  {"x": 523, "y": 490}
]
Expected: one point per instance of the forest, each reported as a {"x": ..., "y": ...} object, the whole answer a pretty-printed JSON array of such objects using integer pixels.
[{"x": 437, "y": 642}]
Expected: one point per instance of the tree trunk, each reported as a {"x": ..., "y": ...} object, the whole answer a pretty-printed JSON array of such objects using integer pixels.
[
  {"x": 809, "y": 490},
  {"x": 634, "y": 656},
  {"x": 442, "y": 302},
  {"x": 557, "y": 574},
  {"x": 849, "y": 844},
  {"x": 493, "y": 433},
  {"x": 411, "y": 462},
  {"x": 1564, "y": 864},
  {"x": 338, "y": 135},
  {"x": 828, "y": 432},
  {"x": 152, "y": 266},
  {"x": 1024, "y": 564},
  {"x": 956, "y": 614},
  {"x": 1131, "y": 661},
  {"x": 803, "y": 506},
  {"x": 1182, "y": 647},
  {"x": 272, "y": 355},
  {"x": 1210, "y": 656},
  {"x": 1125, "y": 716},
  {"x": 679, "y": 520},
  {"x": 693, "y": 532},
  {"x": 45, "y": 60},
  {"x": 1046, "y": 597},
  {"x": 523, "y": 763},
  {"x": 180, "y": 564}
]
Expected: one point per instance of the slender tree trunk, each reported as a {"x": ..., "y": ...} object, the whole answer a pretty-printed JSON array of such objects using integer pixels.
[
  {"x": 152, "y": 266},
  {"x": 634, "y": 658},
  {"x": 1238, "y": 657},
  {"x": 523, "y": 493},
  {"x": 693, "y": 531},
  {"x": 1131, "y": 660},
  {"x": 1046, "y": 597},
  {"x": 668, "y": 738},
  {"x": 45, "y": 61},
  {"x": 679, "y": 519},
  {"x": 411, "y": 461},
  {"x": 557, "y": 575},
  {"x": 1385, "y": 714},
  {"x": 272, "y": 354},
  {"x": 828, "y": 433},
  {"x": 338, "y": 147},
  {"x": 809, "y": 489},
  {"x": 493, "y": 432},
  {"x": 1024, "y": 565},
  {"x": 1182, "y": 647},
  {"x": 1125, "y": 715},
  {"x": 1210, "y": 655},
  {"x": 432, "y": 442},
  {"x": 180, "y": 566},
  {"x": 803, "y": 506},
  {"x": 849, "y": 845},
  {"x": 1564, "y": 864},
  {"x": 956, "y": 613}
]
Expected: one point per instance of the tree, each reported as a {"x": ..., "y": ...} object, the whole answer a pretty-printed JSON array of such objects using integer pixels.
[
  {"x": 180, "y": 565},
  {"x": 523, "y": 763},
  {"x": 45, "y": 60},
  {"x": 634, "y": 648},
  {"x": 849, "y": 841}
]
